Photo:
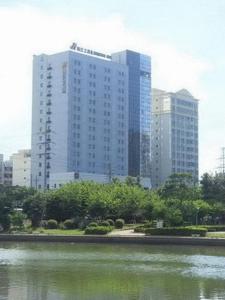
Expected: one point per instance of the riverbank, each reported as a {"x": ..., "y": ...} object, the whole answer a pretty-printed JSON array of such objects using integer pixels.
[{"x": 151, "y": 240}]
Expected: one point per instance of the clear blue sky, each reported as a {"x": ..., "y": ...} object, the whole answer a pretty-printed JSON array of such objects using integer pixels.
[{"x": 195, "y": 28}]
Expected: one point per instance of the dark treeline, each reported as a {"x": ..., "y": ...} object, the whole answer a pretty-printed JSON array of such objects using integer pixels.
[{"x": 178, "y": 202}]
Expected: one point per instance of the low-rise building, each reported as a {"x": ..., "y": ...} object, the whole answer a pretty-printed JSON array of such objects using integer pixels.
[
  {"x": 22, "y": 168},
  {"x": 5, "y": 171}
]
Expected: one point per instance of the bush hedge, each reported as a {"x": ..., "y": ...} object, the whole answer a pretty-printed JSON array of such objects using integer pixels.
[
  {"x": 104, "y": 223},
  {"x": 93, "y": 224},
  {"x": 140, "y": 229},
  {"x": 111, "y": 222},
  {"x": 52, "y": 224},
  {"x": 181, "y": 231},
  {"x": 68, "y": 224},
  {"x": 212, "y": 228},
  {"x": 119, "y": 223},
  {"x": 98, "y": 230}
]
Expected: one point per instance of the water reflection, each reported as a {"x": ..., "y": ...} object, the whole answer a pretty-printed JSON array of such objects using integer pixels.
[{"x": 87, "y": 271}]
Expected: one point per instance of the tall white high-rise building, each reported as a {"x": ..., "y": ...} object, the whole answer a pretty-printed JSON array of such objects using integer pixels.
[
  {"x": 83, "y": 115},
  {"x": 91, "y": 116},
  {"x": 22, "y": 168},
  {"x": 174, "y": 144}
]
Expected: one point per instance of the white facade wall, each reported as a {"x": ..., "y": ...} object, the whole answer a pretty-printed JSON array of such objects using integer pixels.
[
  {"x": 174, "y": 135},
  {"x": 59, "y": 179},
  {"x": 79, "y": 116},
  {"x": 22, "y": 168}
]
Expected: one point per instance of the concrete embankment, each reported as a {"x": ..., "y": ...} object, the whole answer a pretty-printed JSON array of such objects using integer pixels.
[{"x": 151, "y": 240}]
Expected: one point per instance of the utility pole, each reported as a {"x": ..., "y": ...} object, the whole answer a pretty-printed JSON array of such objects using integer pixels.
[{"x": 47, "y": 150}]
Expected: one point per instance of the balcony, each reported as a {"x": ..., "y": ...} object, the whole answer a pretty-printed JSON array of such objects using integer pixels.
[
  {"x": 48, "y": 149},
  {"x": 49, "y": 68},
  {"x": 49, "y": 77},
  {"x": 49, "y": 95},
  {"x": 48, "y": 140},
  {"x": 48, "y": 112},
  {"x": 49, "y": 102},
  {"x": 49, "y": 86}
]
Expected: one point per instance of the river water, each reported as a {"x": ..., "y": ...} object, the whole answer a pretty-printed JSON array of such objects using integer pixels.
[{"x": 33, "y": 271}]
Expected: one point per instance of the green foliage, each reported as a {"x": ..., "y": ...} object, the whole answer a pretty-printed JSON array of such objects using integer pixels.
[
  {"x": 6, "y": 208},
  {"x": 213, "y": 187},
  {"x": 173, "y": 231},
  {"x": 140, "y": 229},
  {"x": 98, "y": 230},
  {"x": 104, "y": 223},
  {"x": 16, "y": 194},
  {"x": 180, "y": 186},
  {"x": 174, "y": 217},
  {"x": 52, "y": 224},
  {"x": 213, "y": 228},
  {"x": 119, "y": 223},
  {"x": 93, "y": 224},
  {"x": 178, "y": 202},
  {"x": 68, "y": 224},
  {"x": 17, "y": 219},
  {"x": 111, "y": 222},
  {"x": 34, "y": 207}
]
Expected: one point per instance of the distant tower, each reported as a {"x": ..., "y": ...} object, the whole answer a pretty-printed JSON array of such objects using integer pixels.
[{"x": 221, "y": 167}]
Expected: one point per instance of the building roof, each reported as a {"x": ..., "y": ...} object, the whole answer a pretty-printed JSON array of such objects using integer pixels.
[{"x": 184, "y": 92}]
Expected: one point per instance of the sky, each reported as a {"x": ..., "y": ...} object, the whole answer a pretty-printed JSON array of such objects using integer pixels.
[{"x": 185, "y": 39}]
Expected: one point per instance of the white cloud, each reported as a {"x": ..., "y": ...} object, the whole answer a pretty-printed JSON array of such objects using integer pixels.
[{"x": 26, "y": 31}]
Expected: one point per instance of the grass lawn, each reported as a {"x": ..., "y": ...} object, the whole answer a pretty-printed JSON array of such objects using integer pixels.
[
  {"x": 131, "y": 226},
  {"x": 59, "y": 231},
  {"x": 216, "y": 234}
]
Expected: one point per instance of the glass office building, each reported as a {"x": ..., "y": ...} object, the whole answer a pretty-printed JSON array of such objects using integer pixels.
[{"x": 139, "y": 97}]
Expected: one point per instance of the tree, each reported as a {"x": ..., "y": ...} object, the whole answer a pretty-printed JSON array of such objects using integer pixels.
[
  {"x": 174, "y": 217},
  {"x": 213, "y": 187},
  {"x": 180, "y": 186},
  {"x": 5, "y": 210},
  {"x": 34, "y": 208},
  {"x": 17, "y": 219}
]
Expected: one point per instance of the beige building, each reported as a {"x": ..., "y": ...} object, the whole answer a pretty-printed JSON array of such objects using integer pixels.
[
  {"x": 174, "y": 144},
  {"x": 22, "y": 168}
]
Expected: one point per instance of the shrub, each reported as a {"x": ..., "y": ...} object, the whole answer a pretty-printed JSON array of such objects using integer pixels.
[
  {"x": 111, "y": 222},
  {"x": 182, "y": 231},
  {"x": 104, "y": 223},
  {"x": 140, "y": 229},
  {"x": 212, "y": 228},
  {"x": 61, "y": 226},
  {"x": 68, "y": 224},
  {"x": 119, "y": 223},
  {"x": 98, "y": 230},
  {"x": 52, "y": 224},
  {"x": 92, "y": 224}
]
